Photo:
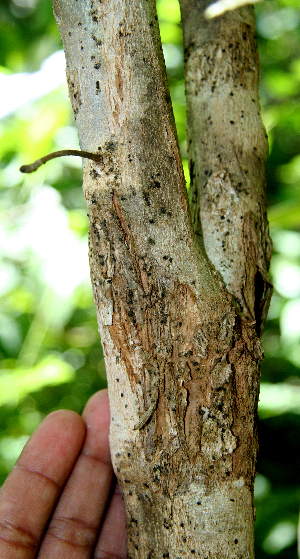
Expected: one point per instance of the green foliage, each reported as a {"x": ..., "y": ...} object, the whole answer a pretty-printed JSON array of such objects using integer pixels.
[{"x": 50, "y": 351}]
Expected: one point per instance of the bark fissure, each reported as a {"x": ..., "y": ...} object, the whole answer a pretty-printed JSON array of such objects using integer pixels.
[{"x": 182, "y": 359}]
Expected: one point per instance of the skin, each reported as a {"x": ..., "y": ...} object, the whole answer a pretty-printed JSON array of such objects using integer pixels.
[{"x": 61, "y": 500}]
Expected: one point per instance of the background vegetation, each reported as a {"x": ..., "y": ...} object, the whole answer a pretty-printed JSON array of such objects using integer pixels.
[{"x": 50, "y": 351}]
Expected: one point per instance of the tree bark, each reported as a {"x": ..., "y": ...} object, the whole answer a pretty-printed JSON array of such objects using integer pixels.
[
  {"x": 228, "y": 147},
  {"x": 182, "y": 351}
]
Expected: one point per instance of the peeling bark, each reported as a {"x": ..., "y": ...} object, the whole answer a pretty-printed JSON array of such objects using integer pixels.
[{"x": 182, "y": 360}]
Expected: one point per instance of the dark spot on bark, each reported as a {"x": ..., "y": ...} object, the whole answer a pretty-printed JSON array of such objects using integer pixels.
[
  {"x": 97, "y": 41},
  {"x": 146, "y": 197},
  {"x": 163, "y": 210},
  {"x": 183, "y": 538},
  {"x": 232, "y": 122},
  {"x": 111, "y": 146},
  {"x": 151, "y": 241},
  {"x": 70, "y": 33},
  {"x": 130, "y": 296},
  {"x": 260, "y": 292},
  {"x": 191, "y": 169},
  {"x": 151, "y": 221},
  {"x": 79, "y": 24},
  {"x": 236, "y": 540},
  {"x": 97, "y": 65}
]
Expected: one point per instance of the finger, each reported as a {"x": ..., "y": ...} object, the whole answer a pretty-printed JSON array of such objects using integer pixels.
[
  {"x": 112, "y": 542},
  {"x": 32, "y": 488},
  {"x": 74, "y": 527}
]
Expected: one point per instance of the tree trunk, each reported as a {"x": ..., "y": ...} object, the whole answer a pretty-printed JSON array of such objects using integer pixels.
[{"x": 179, "y": 323}]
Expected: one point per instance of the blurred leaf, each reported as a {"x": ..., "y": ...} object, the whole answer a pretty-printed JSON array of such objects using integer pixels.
[
  {"x": 285, "y": 215},
  {"x": 282, "y": 535},
  {"x": 280, "y": 84},
  {"x": 279, "y": 398},
  {"x": 16, "y": 384},
  {"x": 168, "y": 10},
  {"x": 221, "y": 6}
]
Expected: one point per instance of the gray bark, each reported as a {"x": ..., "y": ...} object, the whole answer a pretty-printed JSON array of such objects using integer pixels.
[
  {"x": 182, "y": 352},
  {"x": 228, "y": 147}
]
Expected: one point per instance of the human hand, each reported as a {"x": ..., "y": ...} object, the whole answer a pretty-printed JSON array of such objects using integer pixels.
[{"x": 61, "y": 500}]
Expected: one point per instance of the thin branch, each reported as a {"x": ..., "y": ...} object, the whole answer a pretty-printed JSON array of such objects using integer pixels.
[{"x": 36, "y": 164}]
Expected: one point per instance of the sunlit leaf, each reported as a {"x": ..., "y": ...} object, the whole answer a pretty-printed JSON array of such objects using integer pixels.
[{"x": 17, "y": 383}]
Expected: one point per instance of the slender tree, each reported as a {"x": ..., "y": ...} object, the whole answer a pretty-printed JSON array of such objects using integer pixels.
[{"x": 181, "y": 294}]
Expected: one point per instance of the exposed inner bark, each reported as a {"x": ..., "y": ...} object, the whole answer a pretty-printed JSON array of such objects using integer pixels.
[{"x": 175, "y": 342}]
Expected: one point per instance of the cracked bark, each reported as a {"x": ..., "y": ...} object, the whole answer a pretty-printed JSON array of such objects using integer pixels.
[{"x": 179, "y": 337}]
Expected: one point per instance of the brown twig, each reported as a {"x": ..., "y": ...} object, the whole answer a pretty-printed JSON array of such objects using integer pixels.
[{"x": 36, "y": 164}]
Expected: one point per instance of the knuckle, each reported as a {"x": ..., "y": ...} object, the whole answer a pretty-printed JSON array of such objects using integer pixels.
[
  {"x": 101, "y": 554},
  {"x": 16, "y": 536},
  {"x": 73, "y": 531}
]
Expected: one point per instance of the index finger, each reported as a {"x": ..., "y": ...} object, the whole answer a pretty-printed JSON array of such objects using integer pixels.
[{"x": 30, "y": 492}]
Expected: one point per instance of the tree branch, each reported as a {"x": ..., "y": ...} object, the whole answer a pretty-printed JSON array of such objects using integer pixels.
[
  {"x": 227, "y": 147},
  {"x": 36, "y": 164}
]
